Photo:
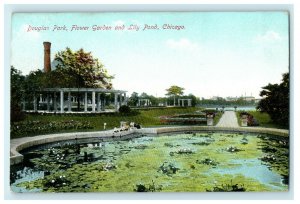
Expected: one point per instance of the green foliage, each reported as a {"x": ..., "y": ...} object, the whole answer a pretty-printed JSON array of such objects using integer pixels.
[
  {"x": 228, "y": 188},
  {"x": 126, "y": 110},
  {"x": 16, "y": 86},
  {"x": 174, "y": 91},
  {"x": 276, "y": 101},
  {"x": 35, "y": 127},
  {"x": 147, "y": 188},
  {"x": 263, "y": 119},
  {"x": 133, "y": 99},
  {"x": 144, "y": 117},
  {"x": 80, "y": 69},
  {"x": 34, "y": 81}
]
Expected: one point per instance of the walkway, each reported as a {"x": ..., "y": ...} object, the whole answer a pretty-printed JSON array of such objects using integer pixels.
[{"x": 228, "y": 119}]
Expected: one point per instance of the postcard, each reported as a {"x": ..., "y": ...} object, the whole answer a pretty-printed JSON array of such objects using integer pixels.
[{"x": 150, "y": 102}]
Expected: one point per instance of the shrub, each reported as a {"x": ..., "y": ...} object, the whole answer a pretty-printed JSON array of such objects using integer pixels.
[{"x": 126, "y": 110}]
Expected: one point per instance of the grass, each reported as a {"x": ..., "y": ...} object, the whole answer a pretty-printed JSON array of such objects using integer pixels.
[
  {"x": 263, "y": 119},
  {"x": 217, "y": 118},
  {"x": 146, "y": 118}
]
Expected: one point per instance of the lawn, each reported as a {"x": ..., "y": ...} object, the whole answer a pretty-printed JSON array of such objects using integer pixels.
[
  {"x": 263, "y": 119},
  {"x": 46, "y": 124}
]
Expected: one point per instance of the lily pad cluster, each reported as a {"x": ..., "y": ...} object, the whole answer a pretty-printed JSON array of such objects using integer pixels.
[
  {"x": 182, "y": 151},
  {"x": 244, "y": 141},
  {"x": 268, "y": 158},
  {"x": 147, "y": 187},
  {"x": 119, "y": 166},
  {"x": 268, "y": 149},
  {"x": 233, "y": 149},
  {"x": 207, "y": 161},
  {"x": 56, "y": 182},
  {"x": 168, "y": 144},
  {"x": 205, "y": 143},
  {"x": 168, "y": 168},
  {"x": 228, "y": 188},
  {"x": 141, "y": 146},
  {"x": 109, "y": 166}
]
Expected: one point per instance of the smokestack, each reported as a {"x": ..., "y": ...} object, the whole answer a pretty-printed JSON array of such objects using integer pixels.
[{"x": 47, "y": 52}]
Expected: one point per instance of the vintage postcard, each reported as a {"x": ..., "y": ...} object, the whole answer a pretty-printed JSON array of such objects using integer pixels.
[{"x": 150, "y": 102}]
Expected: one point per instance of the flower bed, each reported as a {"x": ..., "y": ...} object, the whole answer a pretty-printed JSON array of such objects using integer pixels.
[
  {"x": 184, "y": 119},
  {"x": 41, "y": 127},
  {"x": 251, "y": 121}
]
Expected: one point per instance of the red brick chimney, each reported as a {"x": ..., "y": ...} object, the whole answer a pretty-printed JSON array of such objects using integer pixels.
[{"x": 47, "y": 53}]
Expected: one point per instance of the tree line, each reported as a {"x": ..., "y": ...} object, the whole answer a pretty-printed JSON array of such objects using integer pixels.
[
  {"x": 72, "y": 69},
  {"x": 80, "y": 69}
]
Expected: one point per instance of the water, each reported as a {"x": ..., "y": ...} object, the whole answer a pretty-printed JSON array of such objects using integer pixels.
[
  {"x": 231, "y": 108},
  {"x": 187, "y": 162}
]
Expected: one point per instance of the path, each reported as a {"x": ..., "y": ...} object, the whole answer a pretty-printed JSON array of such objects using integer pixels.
[{"x": 228, "y": 119}]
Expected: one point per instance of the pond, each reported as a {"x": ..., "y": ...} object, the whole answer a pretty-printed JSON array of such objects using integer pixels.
[{"x": 181, "y": 162}]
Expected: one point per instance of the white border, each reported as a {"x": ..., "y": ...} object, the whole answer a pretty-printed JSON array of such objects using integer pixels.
[{"x": 215, "y": 6}]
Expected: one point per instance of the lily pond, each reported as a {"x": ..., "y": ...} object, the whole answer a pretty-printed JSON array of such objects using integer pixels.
[{"x": 181, "y": 162}]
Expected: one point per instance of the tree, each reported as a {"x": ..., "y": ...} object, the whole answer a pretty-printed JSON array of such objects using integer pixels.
[
  {"x": 275, "y": 101},
  {"x": 174, "y": 91},
  {"x": 133, "y": 99},
  {"x": 16, "y": 87},
  {"x": 195, "y": 100},
  {"x": 81, "y": 70}
]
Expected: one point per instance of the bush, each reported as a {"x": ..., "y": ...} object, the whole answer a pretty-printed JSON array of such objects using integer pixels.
[
  {"x": 276, "y": 100},
  {"x": 126, "y": 110},
  {"x": 26, "y": 128},
  {"x": 16, "y": 114},
  {"x": 251, "y": 120}
]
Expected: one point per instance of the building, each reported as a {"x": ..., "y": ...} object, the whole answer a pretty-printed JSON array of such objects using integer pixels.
[{"x": 63, "y": 99}]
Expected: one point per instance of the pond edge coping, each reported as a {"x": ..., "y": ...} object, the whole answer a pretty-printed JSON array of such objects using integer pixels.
[{"x": 16, "y": 145}]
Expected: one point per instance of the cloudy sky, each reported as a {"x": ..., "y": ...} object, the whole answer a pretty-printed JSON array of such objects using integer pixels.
[{"x": 215, "y": 54}]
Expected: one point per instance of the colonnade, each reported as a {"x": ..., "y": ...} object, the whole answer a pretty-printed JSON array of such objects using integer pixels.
[{"x": 55, "y": 97}]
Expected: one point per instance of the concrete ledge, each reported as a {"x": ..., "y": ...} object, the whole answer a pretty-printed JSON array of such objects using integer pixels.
[
  {"x": 272, "y": 131},
  {"x": 16, "y": 145}
]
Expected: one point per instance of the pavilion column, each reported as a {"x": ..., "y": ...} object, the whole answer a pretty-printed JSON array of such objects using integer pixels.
[
  {"x": 103, "y": 105},
  {"x": 54, "y": 102},
  {"x": 189, "y": 102},
  {"x": 61, "y": 101},
  {"x": 98, "y": 102},
  {"x": 179, "y": 102},
  {"x": 121, "y": 99},
  {"x": 182, "y": 103},
  {"x": 48, "y": 102},
  {"x": 34, "y": 103},
  {"x": 41, "y": 98},
  {"x": 69, "y": 102},
  {"x": 85, "y": 101},
  {"x": 93, "y": 102},
  {"x": 116, "y": 101},
  {"x": 125, "y": 99}
]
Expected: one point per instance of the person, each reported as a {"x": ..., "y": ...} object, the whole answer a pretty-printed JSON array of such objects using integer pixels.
[
  {"x": 116, "y": 129},
  {"x": 137, "y": 126}
]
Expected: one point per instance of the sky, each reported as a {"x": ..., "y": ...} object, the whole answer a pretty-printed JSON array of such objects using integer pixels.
[{"x": 215, "y": 54}]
